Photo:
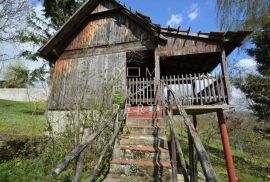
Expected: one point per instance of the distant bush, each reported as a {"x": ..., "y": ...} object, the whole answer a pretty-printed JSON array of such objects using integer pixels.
[{"x": 16, "y": 76}]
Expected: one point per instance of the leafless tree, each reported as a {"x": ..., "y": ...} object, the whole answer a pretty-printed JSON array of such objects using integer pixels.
[{"x": 13, "y": 14}]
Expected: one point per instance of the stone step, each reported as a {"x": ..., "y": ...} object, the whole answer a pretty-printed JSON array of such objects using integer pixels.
[
  {"x": 153, "y": 171},
  {"x": 150, "y": 140},
  {"x": 146, "y": 130},
  {"x": 147, "y": 122},
  {"x": 139, "y": 152}
]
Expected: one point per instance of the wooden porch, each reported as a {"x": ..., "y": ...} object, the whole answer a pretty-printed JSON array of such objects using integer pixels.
[{"x": 196, "y": 91}]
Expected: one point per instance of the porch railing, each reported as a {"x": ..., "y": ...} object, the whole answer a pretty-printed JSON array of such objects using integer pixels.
[
  {"x": 192, "y": 89},
  {"x": 197, "y": 89},
  {"x": 141, "y": 91}
]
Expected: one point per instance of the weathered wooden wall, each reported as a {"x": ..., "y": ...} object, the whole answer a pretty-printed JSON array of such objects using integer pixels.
[
  {"x": 178, "y": 45},
  {"x": 109, "y": 30},
  {"x": 96, "y": 54},
  {"x": 81, "y": 80}
]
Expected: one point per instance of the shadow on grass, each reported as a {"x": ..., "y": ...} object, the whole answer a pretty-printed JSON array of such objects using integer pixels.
[
  {"x": 33, "y": 112},
  {"x": 241, "y": 162}
]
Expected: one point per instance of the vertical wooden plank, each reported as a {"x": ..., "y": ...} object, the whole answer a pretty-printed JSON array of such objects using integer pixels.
[
  {"x": 166, "y": 81},
  {"x": 218, "y": 87},
  {"x": 146, "y": 89},
  {"x": 213, "y": 87},
  {"x": 195, "y": 90},
  {"x": 136, "y": 91},
  {"x": 191, "y": 87},
  {"x": 179, "y": 86},
  {"x": 187, "y": 89},
  {"x": 200, "y": 88},
  {"x": 225, "y": 73},
  {"x": 222, "y": 87},
  {"x": 157, "y": 75},
  {"x": 183, "y": 88},
  {"x": 209, "y": 88},
  {"x": 128, "y": 91},
  {"x": 174, "y": 160},
  {"x": 143, "y": 91},
  {"x": 132, "y": 90},
  {"x": 204, "y": 89},
  {"x": 174, "y": 83}
]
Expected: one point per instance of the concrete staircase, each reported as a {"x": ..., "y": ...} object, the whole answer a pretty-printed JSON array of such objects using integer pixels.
[{"x": 141, "y": 152}]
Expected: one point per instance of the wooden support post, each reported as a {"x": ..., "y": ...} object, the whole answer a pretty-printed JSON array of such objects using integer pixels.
[
  {"x": 173, "y": 161},
  {"x": 225, "y": 74},
  {"x": 192, "y": 155},
  {"x": 157, "y": 78},
  {"x": 226, "y": 146}
]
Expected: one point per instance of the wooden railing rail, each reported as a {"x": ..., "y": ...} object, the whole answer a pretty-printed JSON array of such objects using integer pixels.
[
  {"x": 200, "y": 150},
  {"x": 175, "y": 146},
  {"x": 78, "y": 152}
]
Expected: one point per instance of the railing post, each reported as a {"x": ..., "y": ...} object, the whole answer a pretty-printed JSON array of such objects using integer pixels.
[
  {"x": 226, "y": 146},
  {"x": 157, "y": 78},
  {"x": 225, "y": 74},
  {"x": 173, "y": 161},
  {"x": 192, "y": 155}
]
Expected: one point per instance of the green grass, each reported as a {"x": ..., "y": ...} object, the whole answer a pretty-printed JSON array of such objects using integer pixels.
[
  {"x": 252, "y": 163},
  {"x": 22, "y": 118}
]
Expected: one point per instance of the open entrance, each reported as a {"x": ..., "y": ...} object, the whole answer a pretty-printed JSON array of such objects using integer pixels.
[{"x": 140, "y": 77}]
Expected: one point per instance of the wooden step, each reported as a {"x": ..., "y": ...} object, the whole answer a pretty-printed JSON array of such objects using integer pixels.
[
  {"x": 148, "y": 122},
  {"x": 122, "y": 177},
  {"x": 150, "y": 140},
  {"x": 137, "y": 152},
  {"x": 146, "y": 130},
  {"x": 157, "y": 171},
  {"x": 142, "y": 163},
  {"x": 143, "y": 148}
]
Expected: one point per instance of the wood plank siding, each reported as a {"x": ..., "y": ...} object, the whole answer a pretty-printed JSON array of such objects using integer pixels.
[
  {"x": 76, "y": 81},
  {"x": 177, "y": 45},
  {"x": 109, "y": 30},
  {"x": 96, "y": 53}
]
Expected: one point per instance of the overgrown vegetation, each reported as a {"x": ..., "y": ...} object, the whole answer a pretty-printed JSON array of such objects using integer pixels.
[
  {"x": 43, "y": 156},
  {"x": 250, "y": 147}
]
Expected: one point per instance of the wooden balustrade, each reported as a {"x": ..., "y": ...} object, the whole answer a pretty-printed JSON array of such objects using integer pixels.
[
  {"x": 141, "y": 91},
  {"x": 192, "y": 89}
]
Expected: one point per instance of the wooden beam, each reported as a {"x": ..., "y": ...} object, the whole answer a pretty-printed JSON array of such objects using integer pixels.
[
  {"x": 176, "y": 142},
  {"x": 157, "y": 77},
  {"x": 225, "y": 73},
  {"x": 106, "y": 49},
  {"x": 80, "y": 148},
  {"x": 204, "y": 159},
  {"x": 192, "y": 155}
]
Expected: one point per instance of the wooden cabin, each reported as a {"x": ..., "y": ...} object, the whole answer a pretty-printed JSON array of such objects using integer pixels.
[
  {"x": 104, "y": 36},
  {"x": 104, "y": 39}
]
